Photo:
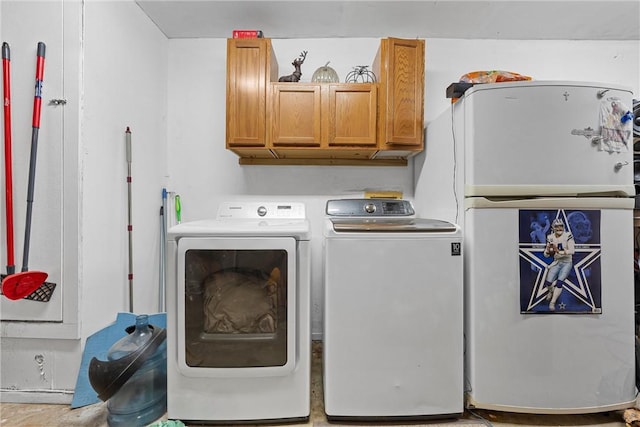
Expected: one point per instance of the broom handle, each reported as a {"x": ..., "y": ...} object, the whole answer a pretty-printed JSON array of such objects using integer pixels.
[
  {"x": 37, "y": 106},
  {"x": 8, "y": 174}
]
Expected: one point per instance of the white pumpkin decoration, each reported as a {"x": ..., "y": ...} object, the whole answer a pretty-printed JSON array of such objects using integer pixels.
[{"x": 325, "y": 74}]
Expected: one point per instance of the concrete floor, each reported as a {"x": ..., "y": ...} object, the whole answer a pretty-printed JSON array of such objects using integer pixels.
[{"x": 42, "y": 415}]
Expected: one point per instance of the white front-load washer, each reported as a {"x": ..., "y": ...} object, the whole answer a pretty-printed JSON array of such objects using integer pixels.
[
  {"x": 238, "y": 315},
  {"x": 393, "y": 312}
]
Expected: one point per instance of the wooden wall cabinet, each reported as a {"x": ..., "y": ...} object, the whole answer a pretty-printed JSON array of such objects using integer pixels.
[
  {"x": 251, "y": 66},
  {"x": 399, "y": 65},
  {"x": 325, "y": 123}
]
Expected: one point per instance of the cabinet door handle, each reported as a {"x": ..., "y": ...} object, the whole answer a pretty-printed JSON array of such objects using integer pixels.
[{"x": 58, "y": 102}]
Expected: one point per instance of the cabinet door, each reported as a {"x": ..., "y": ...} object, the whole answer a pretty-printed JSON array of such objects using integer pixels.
[
  {"x": 296, "y": 115},
  {"x": 400, "y": 68},
  {"x": 46, "y": 240},
  {"x": 352, "y": 114},
  {"x": 248, "y": 76}
]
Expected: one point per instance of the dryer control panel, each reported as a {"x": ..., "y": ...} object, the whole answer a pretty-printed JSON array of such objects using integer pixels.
[
  {"x": 370, "y": 207},
  {"x": 261, "y": 210}
]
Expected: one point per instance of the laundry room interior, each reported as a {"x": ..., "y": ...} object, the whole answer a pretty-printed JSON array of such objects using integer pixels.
[{"x": 134, "y": 146}]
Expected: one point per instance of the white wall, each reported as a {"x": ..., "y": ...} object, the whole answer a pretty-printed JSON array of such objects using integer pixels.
[
  {"x": 125, "y": 85},
  {"x": 203, "y": 172}
]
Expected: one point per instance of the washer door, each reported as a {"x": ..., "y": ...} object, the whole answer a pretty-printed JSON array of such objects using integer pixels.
[{"x": 236, "y": 306}]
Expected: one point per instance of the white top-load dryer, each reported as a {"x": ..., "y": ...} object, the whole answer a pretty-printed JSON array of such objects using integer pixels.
[{"x": 393, "y": 312}]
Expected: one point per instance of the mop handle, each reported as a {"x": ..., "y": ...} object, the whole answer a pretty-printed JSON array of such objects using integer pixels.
[
  {"x": 130, "y": 224},
  {"x": 37, "y": 106},
  {"x": 8, "y": 174},
  {"x": 161, "y": 302},
  {"x": 163, "y": 242}
]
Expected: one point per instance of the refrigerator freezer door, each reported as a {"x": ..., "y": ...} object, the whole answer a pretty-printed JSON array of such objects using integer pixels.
[
  {"x": 520, "y": 355},
  {"x": 543, "y": 138}
]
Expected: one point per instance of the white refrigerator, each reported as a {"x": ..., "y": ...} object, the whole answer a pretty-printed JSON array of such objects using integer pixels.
[{"x": 539, "y": 175}]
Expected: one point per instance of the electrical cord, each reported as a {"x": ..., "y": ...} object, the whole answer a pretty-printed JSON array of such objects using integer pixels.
[
  {"x": 480, "y": 418},
  {"x": 455, "y": 164}
]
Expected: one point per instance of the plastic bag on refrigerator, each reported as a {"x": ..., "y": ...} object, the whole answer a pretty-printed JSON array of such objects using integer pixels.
[{"x": 616, "y": 125}]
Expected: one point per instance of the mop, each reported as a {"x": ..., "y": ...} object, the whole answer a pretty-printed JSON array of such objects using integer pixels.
[{"x": 130, "y": 224}]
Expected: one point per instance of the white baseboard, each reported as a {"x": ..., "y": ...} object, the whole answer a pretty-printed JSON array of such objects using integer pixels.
[{"x": 62, "y": 397}]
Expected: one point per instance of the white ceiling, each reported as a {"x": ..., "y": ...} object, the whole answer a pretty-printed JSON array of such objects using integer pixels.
[{"x": 475, "y": 19}]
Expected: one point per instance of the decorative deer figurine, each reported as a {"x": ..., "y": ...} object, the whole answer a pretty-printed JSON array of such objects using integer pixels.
[{"x": 295, "y": 76}]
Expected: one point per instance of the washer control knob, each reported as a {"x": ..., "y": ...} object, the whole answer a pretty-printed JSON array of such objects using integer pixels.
[
  {"x": 262, "y": 211},
  {"x": 369, "y": 208}
]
